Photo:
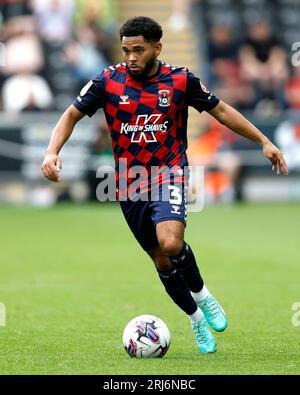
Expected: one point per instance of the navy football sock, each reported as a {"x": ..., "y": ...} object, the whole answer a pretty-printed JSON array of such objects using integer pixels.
[
  {"x": 185, "y": 262},
  {"x": 177, "y": 289}
]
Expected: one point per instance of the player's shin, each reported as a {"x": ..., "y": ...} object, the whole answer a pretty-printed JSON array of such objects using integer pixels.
[
  {"x": 185, "y": 262},
  {"x": 177, "y": 289}
]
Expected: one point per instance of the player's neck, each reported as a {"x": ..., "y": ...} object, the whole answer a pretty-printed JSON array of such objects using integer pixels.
[{"x": 154, "y": 69}]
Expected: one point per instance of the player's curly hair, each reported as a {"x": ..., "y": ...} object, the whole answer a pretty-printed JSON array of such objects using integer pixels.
[{"x": 142, "y": 26}]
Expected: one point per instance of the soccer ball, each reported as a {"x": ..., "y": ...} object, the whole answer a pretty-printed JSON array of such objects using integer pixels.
[{"x": 146, "y": 336}]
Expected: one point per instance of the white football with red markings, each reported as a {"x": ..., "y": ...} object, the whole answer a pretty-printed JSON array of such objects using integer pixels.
[{"x": 146, "y": 336}]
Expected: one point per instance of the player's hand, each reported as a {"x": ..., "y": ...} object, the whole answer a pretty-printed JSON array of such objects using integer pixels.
[
  {"x": 51, "y": 167},
  {"x": 272, "y": 153}
]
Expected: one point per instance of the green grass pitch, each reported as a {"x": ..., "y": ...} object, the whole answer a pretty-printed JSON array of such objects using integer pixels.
[{"x": 71, "y": 277}]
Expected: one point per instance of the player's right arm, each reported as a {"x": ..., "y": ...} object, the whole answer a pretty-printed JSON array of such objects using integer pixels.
[
  {"x": 52, "y": 164},
  {"x": 91, "y": 98}
]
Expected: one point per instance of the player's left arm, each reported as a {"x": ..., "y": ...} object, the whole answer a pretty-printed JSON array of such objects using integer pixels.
[{"x": 235, "y": 121}]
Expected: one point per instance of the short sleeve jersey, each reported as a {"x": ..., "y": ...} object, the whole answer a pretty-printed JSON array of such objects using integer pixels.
[{"x": 147, "y": 120}]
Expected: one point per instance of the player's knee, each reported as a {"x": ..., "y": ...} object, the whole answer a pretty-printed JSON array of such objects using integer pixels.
[{"x": 171, "y": 246}]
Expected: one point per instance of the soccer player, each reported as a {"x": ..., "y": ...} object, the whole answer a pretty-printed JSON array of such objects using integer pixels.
[{"x": 145, "y": 102}]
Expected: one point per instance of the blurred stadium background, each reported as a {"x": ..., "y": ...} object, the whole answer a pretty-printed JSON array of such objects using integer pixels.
[
  {"x": 67, "y": 296},
  {"x": 241, "y": 50}
]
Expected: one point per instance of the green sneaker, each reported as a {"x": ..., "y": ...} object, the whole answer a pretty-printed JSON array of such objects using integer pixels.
[
  {"x": 204, "y": 338},
  {"x": 213, "y": 313}
]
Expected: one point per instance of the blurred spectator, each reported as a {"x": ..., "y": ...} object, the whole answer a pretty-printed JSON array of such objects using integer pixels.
[
  {"x": 55, "y": 27},
  {"x": 179, "y": 18},
  {"x": 10, "y": 9},
  {"x": 287, "y": 137},
  {"x": 84, "y": 54},
  {"x": 263, "y": 64},
  {"x": 48, "y": 57},
  {"x": 26, "y": 92},
  {"x": 221, "y": 45},
  {"x": 292, "y": 91},
  {"x": 99, "y": 17},
  {"x": 100, "y": 12},
  {"x": 23, "y": 51},
  {"x": 22, "y": 86},
  {"x": 224, "y": 69},
  {"x": 54, "y": 19}
]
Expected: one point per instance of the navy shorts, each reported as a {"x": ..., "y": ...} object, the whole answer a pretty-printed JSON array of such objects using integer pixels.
[{"x": 142, "y": 216}]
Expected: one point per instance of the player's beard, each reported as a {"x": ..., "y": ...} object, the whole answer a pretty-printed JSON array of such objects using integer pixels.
[{"x": 144, "y": 72}]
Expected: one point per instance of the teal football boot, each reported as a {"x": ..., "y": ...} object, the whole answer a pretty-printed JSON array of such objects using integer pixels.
[
  {"x": 204, "y": 338},
  {"x": 213, "y": 313}
]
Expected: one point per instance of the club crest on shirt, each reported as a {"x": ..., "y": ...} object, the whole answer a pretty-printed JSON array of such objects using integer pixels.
[{"x": 164, "y": 98}]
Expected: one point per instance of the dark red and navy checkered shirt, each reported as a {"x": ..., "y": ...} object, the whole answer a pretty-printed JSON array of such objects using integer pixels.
[{"x": 147, "y": 119}]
